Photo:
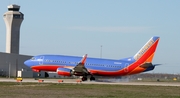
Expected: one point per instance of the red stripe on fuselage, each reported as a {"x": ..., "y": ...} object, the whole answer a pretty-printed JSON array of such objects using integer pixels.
[{"x": 46, "y": 67}]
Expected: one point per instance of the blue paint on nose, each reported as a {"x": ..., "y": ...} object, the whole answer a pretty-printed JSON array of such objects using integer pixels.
[{"x": 27, "y": 63}]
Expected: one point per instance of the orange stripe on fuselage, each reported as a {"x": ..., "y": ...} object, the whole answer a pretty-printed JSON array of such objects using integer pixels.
[{"x": 140, "y": 69}]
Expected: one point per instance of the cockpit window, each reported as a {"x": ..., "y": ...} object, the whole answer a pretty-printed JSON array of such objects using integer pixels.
[{"x": 32, "y": 58}]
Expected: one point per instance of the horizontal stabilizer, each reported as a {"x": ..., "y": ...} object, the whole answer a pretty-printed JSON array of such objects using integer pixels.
[
  {"x": 157, "y": 64},
  {"x": 146, "y": 65}
]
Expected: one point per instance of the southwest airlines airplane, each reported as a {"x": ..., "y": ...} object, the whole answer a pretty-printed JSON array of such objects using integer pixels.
[{"x": 86, "y": 66}]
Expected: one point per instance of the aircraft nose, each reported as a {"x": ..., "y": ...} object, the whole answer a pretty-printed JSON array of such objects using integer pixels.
[{"x": 27, "y": 63}]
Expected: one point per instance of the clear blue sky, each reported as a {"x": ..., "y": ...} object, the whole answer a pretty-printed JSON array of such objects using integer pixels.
[{"x": 78, "y": 27}]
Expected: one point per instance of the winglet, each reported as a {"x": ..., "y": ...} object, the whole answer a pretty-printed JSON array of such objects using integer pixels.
[{"x": 83, "y": 60}]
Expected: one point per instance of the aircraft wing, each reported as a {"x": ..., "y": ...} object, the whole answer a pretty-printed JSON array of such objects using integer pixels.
[{"x": 80, "y": 69}]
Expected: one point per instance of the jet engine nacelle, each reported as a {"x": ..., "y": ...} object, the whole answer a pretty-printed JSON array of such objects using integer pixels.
[{"x": 64, "y": 71}]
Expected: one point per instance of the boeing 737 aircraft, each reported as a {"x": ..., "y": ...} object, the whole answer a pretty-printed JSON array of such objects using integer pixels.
[{"x": 86, "y": 66}]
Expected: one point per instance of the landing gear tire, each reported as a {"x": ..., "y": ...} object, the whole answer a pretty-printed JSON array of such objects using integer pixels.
[
  {"x": 84, "y": 79},
  {"x": 92, "y": 78}
]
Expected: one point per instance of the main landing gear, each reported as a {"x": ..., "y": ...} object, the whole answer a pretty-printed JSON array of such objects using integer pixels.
[
  {"x": 84, "y": 78},
  {"x": 92, "y": 78}
]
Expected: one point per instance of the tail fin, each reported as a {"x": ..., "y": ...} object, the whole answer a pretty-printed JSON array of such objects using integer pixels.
[{"x": 146, "y": 53}]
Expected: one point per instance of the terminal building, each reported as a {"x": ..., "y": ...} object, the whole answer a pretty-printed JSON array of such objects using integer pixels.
[{"x": 12, "y": 65}]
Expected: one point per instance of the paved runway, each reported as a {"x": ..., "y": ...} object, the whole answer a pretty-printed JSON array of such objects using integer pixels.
[{"x": 93, "y": 82}]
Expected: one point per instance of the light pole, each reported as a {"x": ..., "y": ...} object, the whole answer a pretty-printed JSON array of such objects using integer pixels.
[
  {"x": 101, "y": 52},
  {"x": 9, "y": 70}
]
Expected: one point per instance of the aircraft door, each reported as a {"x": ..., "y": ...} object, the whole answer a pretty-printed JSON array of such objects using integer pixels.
[
  {"x": 41, "y": 60},
  {"x": 126, "y": 67}
]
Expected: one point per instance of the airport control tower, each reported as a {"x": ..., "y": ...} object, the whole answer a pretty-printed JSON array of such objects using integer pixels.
[{"x": 13, "y": 19}]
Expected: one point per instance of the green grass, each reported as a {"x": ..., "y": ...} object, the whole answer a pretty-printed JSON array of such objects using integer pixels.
[{"x": 48, "y": 90}]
